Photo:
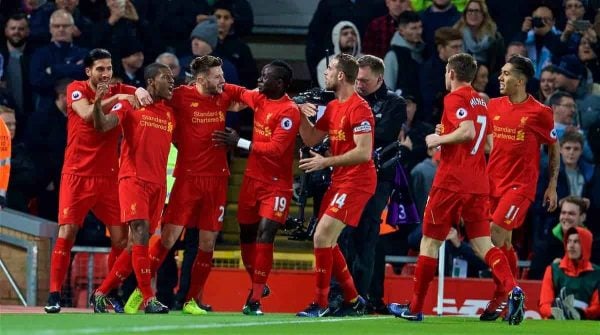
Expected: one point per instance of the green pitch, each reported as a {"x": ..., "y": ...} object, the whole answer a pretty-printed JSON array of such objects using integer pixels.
[{"x": 221, "y": 323}]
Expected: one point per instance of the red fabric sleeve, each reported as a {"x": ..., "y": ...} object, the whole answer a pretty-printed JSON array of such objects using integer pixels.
[
  {"x": 547, "y": 294},
  {"x": 239, "y": 93},
  {"x": 283, "y": 135},
  {"x": 544, "y": 126},
  {"x": 456, "y": 110},
  {"x": 361, "y": 119},
  {"x": 120, "y": 109},
  {"x": 76, "y": 91},
  {"x": 593, "y": 310},
  {"x": 322, "y": 124},
  {"x": 126, "y": 89}
]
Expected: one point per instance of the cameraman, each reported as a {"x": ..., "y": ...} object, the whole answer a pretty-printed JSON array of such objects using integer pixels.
[{"x": 389, "y": 111}]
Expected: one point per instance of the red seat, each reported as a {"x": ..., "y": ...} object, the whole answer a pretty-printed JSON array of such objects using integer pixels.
[
  {"x": 408, "y": 269},
  {"x": 79, "y": 275}
]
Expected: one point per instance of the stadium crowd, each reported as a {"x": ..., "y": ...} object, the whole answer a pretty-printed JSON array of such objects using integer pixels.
[{"x": 47, "y": 44}]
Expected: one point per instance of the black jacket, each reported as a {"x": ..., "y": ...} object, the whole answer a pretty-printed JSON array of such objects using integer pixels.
[
  {"x": 389, "y": 112},
  {"x": 21, "y": 116}
]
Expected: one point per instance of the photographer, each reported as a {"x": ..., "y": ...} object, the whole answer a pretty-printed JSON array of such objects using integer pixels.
[{"x": 389, "y": 111}]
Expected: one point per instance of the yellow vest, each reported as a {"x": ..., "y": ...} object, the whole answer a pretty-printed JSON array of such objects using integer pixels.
[{"x": 5, "y": 150}]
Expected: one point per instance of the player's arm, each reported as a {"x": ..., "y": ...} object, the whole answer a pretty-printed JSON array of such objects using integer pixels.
[
  {"x": 102, "y": 122},
  {"x": 550, "y": 196},
  {"x": 465, "y": 132},
  {"x": 85, "y": 109},
  {"x": 283, "y": 136},
  {"x": 311, "y": 136},
  {"x": 360, "y": 154}
]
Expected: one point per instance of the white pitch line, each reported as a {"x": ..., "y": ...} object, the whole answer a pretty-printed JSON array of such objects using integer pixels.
[{"x": 140, "y": 329}]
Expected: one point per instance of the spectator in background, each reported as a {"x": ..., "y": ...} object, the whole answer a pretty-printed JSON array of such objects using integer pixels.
[
  {"x": 546, "y": 84},
  {"x": 441, "y": 13},
  {"x": 59, "y": 59},
  {"x": 550, "y": 247},
  {"x": 541, "y": 38},
  {"x": 204, "y": 40},
  {"x": 574, "y": 172},
  {"x": 172, "y": 62},
  {"x": 402, "y": 62},
  {"x": 380, "y": 31},
  {"x": 481, "y": 78},
  {"x": 573, "y": 275},
  {"x": 593, "y": 190},
  {"x": 448, "y": 42},
  {"x": 47, "y": 140},
  {"x": 574, "y": 10},
  {"x": 346, "y": 39},
  {"x": 230, "y": 45},
  {"x": 82, "y": 30},
  {"x": 412, "y": 136},
  {"x": 132, "y": 61},
  {"x": 587, "y": 51},
  {"x": 242, "y": 13},
  {"x": 564, "y": 109},
  {"x": 23, "y": 177},
  {"x": 39, "y": 21},
  {"x": 328, "y": 14},
  {"x": 571, "y": 76},
  {"x": 480, "y": 35},
  {"x": 175, "y": 19},
  {"x": 17, "y": 55}
]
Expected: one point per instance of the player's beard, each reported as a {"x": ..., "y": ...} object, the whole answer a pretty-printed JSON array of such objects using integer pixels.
[{"x": 331, "y": 86}]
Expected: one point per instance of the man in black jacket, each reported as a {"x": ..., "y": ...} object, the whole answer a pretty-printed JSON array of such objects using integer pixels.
[{"x": 389, "y": 110}]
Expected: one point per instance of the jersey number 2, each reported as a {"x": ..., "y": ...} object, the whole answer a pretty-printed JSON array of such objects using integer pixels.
[{"x": 482, "y": 120}]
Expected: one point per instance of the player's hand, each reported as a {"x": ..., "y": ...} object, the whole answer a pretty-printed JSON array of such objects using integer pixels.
[
  {"x": 314, "y": 163},
  {"x": 225, "y": 138},
  {"x": 143, "y": 96},
  {"x": 433, "y": 141},
  {"x": 550, "y": 199},
  {"x": 101, "y": 90},
  {"x": 308, "y": 109},
  {"x": 439, "y": 129},
  {"x": 130, "y": 98}
]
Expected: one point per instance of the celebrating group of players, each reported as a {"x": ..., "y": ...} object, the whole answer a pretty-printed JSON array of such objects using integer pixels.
[{"x": 193, "y": 118}]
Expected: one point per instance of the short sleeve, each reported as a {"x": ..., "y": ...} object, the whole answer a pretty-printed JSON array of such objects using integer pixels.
[
  {"x": 456, "y": 110},
  {"x": 121, "y": 109},
  {"x": 77, "y": 91},
  {"x": 323, "y": 122},
  {"x": 361, "y": 119},
  {"x": 544, "y": 126},
  {"x": 239, "y": 93}
]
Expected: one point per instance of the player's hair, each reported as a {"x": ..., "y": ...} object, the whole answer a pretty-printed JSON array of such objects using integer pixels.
[
  {"x": 372, "y": 62},
  {"x": 556, "y": 97},
  {"x": 201, "y": 65},
  {"x": 348, "y": 65},
  {"x": 464, "y": 66},
  {"x": 572, "y": 136},
  {"x": 522, "y": 65},
  {"x": 444, "y": 35},
  {"x": 6, "y": 110},
  {"x": 408, "y": 17},
  {"x": 575, "y": 200},
  {"x": 283, "y": 71},
  {"x": 152, "y": 70},
  {"x": 94, "y": 55}
]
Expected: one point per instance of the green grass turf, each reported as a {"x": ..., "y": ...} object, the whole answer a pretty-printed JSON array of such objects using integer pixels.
[{"x": 222, "y": 323}]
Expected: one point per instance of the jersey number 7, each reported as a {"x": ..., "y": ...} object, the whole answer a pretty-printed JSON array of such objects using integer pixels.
[{"x": 482, "y": 120}]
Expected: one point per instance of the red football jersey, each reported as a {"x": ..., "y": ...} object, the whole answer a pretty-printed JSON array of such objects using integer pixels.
[
  {"x": 342, "y": 121},
  {"x": 462, "y": 166},
  {"x": 519, "y": 131},
  {"x": 90, "y": 152},
  {"x": 198, "y": 116},
  {"x": 147, "y": 134},
  {"x": 276, "y": 124}
]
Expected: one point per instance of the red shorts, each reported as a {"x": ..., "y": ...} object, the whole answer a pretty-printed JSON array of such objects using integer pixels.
[
  {"x": 261, "y": 200},
  {"x": 78, "y": 195},
  {"x": 141, "y": 200},
  {"x": 444, "y": 209},
  {"x": 198, "y": 202},
  {"x": 509, "y": 211},
  {"x": 344, "y": 204}
]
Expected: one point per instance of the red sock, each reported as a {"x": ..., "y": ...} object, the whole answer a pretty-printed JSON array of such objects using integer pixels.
[
  {"x": 157, "y": 254},
  {"x": 200, "y": 272},
  {"x": 342, "y": 275},
  {"x": 512, "y": 258},
  {"x": 113, "y": 255},
  {"x": 118, "y": 273},
  {"x": 248, "y": 251},
  {"x": 263, "y": 262},
  {"x": 323, "y": 269},
  {"x": 496, "y": 260},
  {"x": 61, "y": 256},
  {"x": 141, "y": 267},
  {"x": 424, "y": 273}
]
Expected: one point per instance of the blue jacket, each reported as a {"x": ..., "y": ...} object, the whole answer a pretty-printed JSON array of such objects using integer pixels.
[{"x": 62, "y": 59}]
